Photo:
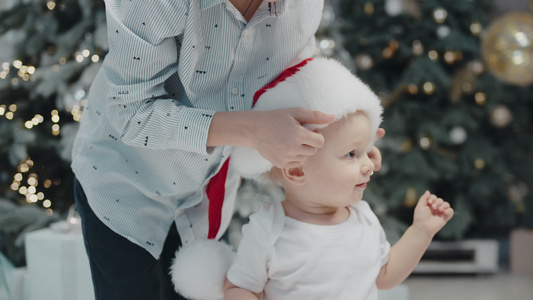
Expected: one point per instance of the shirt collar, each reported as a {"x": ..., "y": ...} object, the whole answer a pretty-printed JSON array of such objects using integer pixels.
[
  {"x": 277, "y": 7},
  {"x": 209, "y": 3}
]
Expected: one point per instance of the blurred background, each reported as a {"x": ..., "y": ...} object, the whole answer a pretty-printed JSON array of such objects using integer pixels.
[{"x": 456, "y": 80}]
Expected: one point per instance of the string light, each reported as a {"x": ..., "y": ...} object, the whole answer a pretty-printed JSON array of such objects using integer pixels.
[
  {"x": 5, "y": 70},
  {"x": 37, "y": 119},
  {"x": 433, "y": 55},
  {"x": 30, "y": 190},
  {"x": 428, "y": 87},
  {"x": 480, "y": 98},
  {"x": 425, "y": 142},
  {"x": 476, "y": 28},
  {"x": 412, "y": 89},
  {"x": 369, "y": 8},
  {"x": 55, "y": 129},
  {"x": 47, "y": 183},
  {"x": 14, "y": 186},
  {"x": 51, "y": 5},
  {"x": 16, "y": 72},
  {"x": 76, "y": 113},
  {"x": 55, "y": 115}
]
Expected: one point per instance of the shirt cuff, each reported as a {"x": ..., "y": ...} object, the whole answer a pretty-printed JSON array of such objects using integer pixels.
[{"x": 193, "y": 129}]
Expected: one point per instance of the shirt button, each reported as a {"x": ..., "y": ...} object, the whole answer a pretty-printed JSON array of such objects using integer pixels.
[
  {"x": 245, "y": 33},
  {"x": 234, "y": 90}
]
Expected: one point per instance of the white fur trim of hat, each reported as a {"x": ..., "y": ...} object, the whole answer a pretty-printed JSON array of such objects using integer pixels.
[{"x": 321, "y": 84}]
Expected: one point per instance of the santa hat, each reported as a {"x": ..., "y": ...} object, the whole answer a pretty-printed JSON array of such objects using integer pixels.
[{"x": 320, "y": 84}]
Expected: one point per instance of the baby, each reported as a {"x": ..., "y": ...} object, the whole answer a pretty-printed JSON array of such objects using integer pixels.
[{"x": 323, "y": 241}]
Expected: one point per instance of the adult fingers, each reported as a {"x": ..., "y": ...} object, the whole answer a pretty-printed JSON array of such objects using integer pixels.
[
  {"x": 380, "y": 133},
  {"x": 305, "y": 116},
  {"x": 375, "y": 157}
]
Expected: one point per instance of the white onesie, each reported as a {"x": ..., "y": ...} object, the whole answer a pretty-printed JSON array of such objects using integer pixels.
[{"x": 288, "y": 259}]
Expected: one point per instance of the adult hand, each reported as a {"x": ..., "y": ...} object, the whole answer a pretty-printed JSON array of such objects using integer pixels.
[
  {"x": 375, "y": 154},
  {"x": 279, "y": 136}
]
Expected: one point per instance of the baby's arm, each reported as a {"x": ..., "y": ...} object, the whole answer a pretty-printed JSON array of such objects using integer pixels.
[
  {"x": 431, "y": 214},
  {"x": 233, "y": 292}
]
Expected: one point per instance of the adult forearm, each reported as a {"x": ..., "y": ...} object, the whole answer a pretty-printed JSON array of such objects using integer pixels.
[{"x": 231, "y": 129}]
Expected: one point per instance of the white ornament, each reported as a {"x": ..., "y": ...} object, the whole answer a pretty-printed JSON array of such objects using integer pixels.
[
  {"x": 440, "y": 14},
  {"x": 501, "y": 116},
  {"x": 458, "y": 135},
  {"x": 443, "y": 31},
  {"x": 393, "y": 7}
]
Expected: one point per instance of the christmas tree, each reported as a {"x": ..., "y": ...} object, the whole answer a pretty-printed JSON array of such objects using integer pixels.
[
  {"x": 51, "y": 53},
  {"x": 453, "y": 127}
]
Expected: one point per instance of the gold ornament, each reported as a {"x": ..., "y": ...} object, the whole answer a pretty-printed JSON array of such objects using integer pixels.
[
  {"x": 507, "y": 48},
  {"x": 481, "y": 98},
  {"x": 369, "y": 8},
  {"x": 410, "y": 199},
  {"x": 389, "y": 51},
  {"x": 412, "y": 89},
  {"x": 479, "y": 163},
  {"x": 406, "y": 145}
]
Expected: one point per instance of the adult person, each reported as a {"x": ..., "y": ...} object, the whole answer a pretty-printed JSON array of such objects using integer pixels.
[{"x": 172, "y": 94}]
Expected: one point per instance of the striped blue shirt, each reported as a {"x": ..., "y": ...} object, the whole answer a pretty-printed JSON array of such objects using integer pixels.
[{"x": 140, "y": 153}]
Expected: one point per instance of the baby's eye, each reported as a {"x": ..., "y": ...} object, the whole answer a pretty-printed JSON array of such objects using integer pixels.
[{"x": 351, "y": 154}]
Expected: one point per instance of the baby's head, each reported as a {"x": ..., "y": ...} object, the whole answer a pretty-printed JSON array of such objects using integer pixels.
[{"x": 317, "y": 84}]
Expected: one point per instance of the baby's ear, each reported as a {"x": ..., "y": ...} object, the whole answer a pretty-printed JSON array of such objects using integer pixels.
[{"x": 294, "y": 175}]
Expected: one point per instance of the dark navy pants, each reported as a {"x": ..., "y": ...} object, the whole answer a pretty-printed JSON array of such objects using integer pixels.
[{"x": 122, "y": 270}]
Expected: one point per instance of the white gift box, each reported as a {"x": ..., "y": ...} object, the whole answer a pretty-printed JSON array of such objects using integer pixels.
[{"x": 58, "y": 267}]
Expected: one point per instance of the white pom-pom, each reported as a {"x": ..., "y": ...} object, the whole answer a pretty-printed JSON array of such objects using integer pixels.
[
  {"x": 199, "y": 270},
  {"x": 249, "y": 162}
]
